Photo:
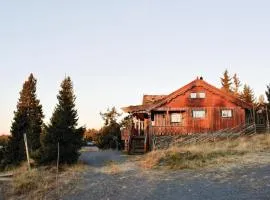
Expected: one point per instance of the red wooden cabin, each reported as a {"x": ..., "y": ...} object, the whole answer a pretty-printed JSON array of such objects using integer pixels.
[{"x": 198, "y": 107}]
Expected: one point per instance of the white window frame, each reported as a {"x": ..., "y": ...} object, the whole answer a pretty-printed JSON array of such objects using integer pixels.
[
  {"x": 198, "y": 114},
  {"x": 201, "y": 95},
  {"x": 193, "y": 95},
  {"x": 226, "y": 113},
  {"x": 176, "y": 117}
]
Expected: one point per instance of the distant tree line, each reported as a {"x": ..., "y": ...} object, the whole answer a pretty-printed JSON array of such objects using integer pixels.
[
  {"x": 3, "y": 140},
  {"x": 109, "y": 136}
]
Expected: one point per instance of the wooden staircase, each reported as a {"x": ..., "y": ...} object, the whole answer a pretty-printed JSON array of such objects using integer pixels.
[{"x": 137, "y": 145}]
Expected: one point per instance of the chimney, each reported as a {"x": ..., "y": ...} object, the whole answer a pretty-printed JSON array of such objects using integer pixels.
[{"x": 201, "y": 78}]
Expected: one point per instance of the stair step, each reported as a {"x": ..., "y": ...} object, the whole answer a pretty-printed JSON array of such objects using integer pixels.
[
  {"x": 138, "y": 138},
  {"x": 139, "y": 147},
  {"x": 138, "y": 151}
]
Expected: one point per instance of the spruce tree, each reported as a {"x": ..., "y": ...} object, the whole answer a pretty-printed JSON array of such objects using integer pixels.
[
  {"x": 248, "y": 94},
  {"x": 237, "y": 85},
  {"x": 226, "y": 81},
  {"x": 261, "y": 100},
  {"x": 27, "y": 120},
  {"x": 62, "y": 129},
  {"x": 267, "y": 92}
]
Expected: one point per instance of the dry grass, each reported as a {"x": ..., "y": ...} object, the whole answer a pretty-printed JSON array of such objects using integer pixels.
[
  {"x": 112, "y": 168},
  {"x": 39, "y": 183},
  {"x": 205, "y": 154},
  {"x": 36, "y": 180}
]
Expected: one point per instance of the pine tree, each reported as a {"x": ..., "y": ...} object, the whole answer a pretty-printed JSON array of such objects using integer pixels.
[
  {"x": 248, "y": 94},
  {"x": 267, "y": 92},
  {"x": 15, "y": 150},
  {"x": 237, "y": 85},
  {"x": 27, "y": 120},
  {"x": 62, "y": 129},
  {"x": 110, "y": 117},
  {"x": 226, "y": 81},
  {"x": 261, "y": 100},
  {"x": 110, "y": 133}
]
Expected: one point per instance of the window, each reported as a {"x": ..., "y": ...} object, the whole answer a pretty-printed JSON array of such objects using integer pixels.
[
  {"x": 201, "y": 95},
  {"x": 198, "y": 113},
  {"x": 193, "y": 95},
  {"x": 226, "y": 113},
  {"x": 176, "y": 117}
]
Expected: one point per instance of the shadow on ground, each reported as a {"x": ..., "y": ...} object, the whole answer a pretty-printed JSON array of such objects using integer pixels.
[{"x": 100, "y": 158}]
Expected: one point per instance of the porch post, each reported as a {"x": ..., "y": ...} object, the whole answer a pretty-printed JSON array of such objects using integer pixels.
[
  {"x": 254, "y": 119},
  {"x": 135, "y": 122},
  {"x": 150, "y": 132},
  {"x": 145, "y": 125},
  {"x": 167, "y": 122},
  {"x": 267, "y": 119},
  {"x": 139, "y": 128},
  {"x": 149, "y": 123}
]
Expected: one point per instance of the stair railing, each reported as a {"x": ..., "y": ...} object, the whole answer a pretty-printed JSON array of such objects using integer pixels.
[
  {"x": 146, "y": 143},
  {"x": 129, "y": 144}
]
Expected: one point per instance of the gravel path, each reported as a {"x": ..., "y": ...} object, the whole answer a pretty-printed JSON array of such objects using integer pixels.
[
  {"x": 100, "y": 158},
  {"x": 132, "y": 182}
]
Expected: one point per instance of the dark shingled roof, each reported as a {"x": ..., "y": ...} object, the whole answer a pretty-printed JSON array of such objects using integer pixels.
[
  {"x": 138, "y": 108},
  {"x": 150, "y": 99}
]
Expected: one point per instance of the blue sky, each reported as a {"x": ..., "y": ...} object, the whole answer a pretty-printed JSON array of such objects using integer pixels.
[{"x": 116, "y": 51}]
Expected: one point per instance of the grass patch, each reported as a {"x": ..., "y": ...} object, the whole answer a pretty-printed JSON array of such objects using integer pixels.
[
  {"x": 205, "y": 154},
  {"x": 41, "y": 182},
  {"x": 35, "y": 180}
]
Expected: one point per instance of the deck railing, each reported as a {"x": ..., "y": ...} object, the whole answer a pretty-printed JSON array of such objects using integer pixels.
[{"x": 177, "y": 130}]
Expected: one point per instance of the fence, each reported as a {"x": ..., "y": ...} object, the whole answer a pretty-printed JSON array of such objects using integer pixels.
[{"x": 163, "y": 142}]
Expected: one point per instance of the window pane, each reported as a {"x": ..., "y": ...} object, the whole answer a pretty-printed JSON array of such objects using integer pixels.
[
  {"x": 226, "y": 113},
  {"x": 201, "y": 95},
  {"x": 176, "y": 117},
  {"x": 193, "y": 95},
  {"x": 198, "y": 113}
]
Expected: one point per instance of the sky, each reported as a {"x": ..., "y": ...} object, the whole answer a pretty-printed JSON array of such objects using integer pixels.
[{"x": 116, "y": 51}]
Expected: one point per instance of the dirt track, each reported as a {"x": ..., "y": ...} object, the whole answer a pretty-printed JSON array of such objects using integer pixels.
[{"x": 250, "y": 180}]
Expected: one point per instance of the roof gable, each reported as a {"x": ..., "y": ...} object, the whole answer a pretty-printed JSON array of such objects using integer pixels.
[
  {"x": 204, "y": 84},
  {"x": 151, "y": 102}
]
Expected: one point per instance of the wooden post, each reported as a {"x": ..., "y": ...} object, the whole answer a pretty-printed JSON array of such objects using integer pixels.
[
  {"x": 27, "y": 152},
  {"x": 58, "y": 156},
  {"x": 267, "y": 119},
  {"x": 254, "y": 120},
  {"x": 149, "y": 132},
  {"x": 139, "y": 127},
  {"x": 135, "y": 122},
  {"x": 57, "y": 167},
  {"x": 167, "y": 122},
  {"x": 145, "y": 125}
]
